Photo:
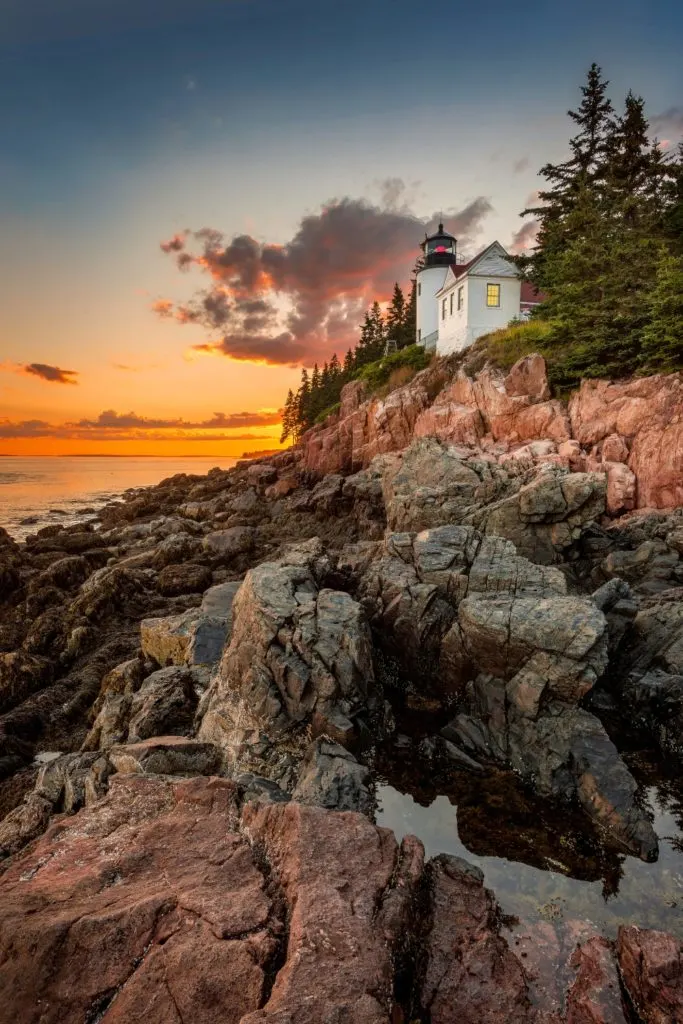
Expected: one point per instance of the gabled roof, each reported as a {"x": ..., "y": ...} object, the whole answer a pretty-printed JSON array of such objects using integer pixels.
[{"x": 460, "y": 270}]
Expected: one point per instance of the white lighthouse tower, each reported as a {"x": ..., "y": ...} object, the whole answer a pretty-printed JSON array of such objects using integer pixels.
[{"x": 439, "y": 254}]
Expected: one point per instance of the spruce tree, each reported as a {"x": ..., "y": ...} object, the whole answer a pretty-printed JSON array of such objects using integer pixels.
[
  {"x": 570, "y": 179},
  {"x": 411, "y": 314}
]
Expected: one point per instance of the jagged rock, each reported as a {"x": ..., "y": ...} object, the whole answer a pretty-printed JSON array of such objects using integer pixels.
[
  {"x": 166, "y": 755},
  {"x": 65, "y": 573},
  {"x": 107, "y": 591},
  {"x": 164, "y": 704},
  {"x": 172, "y": 920},
  {"x": 650, "y": 567},
  {"x": 295, "y": 650},
  {"x": 73, "y": 780},
  {"x": 191, "y": 638},
  {"x": 256, "y": 789},
  {"x": 651, "y": 966},
  {"x": 186, "y": 578},
  {"x": 112, "y": 707},
  {"x": 24, "y": 824},
  {"x": 21, "y": 674},
  {"x": 331, "y": 777},
  {"x": 646, "y": 414},
  {"x": 470, "y": 974},
  {"x": 350, "y": 890}
]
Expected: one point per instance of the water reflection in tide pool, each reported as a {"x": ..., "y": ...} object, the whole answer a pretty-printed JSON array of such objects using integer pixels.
[{"x": 546, "y": 866}]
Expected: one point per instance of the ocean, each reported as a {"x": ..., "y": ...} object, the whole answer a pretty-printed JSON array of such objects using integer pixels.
[{"x": 35, "y": 492}]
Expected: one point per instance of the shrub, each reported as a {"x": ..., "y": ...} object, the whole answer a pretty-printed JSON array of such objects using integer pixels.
[
  {"x": 377, "y": 374},
  {"x": 506, "y": 346}
]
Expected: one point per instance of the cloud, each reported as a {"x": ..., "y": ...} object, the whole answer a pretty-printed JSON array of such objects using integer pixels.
[
  {"x": 668, "y": 123},
  {"x": 520, "y": 165},
  {"x": 52, "y": 374},
  {"x": 134, "y": 368},
  {"x": 113, "y": 426},
  {"x": 296, "y": 303},
  {"x": 525, "y": 238}
]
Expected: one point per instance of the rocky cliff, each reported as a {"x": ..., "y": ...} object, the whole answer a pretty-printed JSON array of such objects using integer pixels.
[
  {"x": 632, "y": 432},
  {"x": 200, "y": 688}
]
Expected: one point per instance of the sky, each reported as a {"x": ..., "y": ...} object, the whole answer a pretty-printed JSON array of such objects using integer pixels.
[{"x": 198, "y": 199}]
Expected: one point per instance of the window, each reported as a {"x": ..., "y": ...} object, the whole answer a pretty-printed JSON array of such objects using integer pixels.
[
  {"x": 419, "y": 334},
  {"x": 443, "y": 310},
  {"x": 493, "y": 295},
  {"x": 419, "y": 288},
  {"x": 460, "y": 296},
  {"x": 451, "y": 309}
]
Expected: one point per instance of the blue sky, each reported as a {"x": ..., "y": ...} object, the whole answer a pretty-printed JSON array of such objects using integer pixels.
[{"x": 124, "y": 121}]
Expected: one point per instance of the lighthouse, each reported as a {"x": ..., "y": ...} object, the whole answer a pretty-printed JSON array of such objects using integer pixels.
[{"x": 439, "y": 254}]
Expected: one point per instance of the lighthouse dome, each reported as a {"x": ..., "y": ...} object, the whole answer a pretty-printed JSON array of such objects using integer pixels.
[{"x": 439, "y": 249}]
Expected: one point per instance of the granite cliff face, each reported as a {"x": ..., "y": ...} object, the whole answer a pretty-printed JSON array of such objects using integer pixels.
[
  {"x": 631, "y": 432},
  {"x": 200, "y": 688}
]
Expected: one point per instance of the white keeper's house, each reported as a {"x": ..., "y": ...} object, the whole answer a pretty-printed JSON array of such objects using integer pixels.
[{"x": 457, "y": 302}]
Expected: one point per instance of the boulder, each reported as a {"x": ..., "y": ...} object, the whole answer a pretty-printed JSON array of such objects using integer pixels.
[
  {"x": 223, "y": 545},
  {"x": 331, "y": 777},
  {"x": 165, "y": 703},
  {"x": 651, "y": 966},
  {"x": 595, "y": 995},
  {"x": 470, "y": 973}
]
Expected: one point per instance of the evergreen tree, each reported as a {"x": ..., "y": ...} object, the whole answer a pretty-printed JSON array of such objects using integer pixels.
[
  {"x": 672, "y": 188},
  {"x": 378, "y": 332},
  {"x": 662, "y": 337},
  {"x": 396, "y": 318},
  {"x": 411, "y": 314},
  {"x": 302, "y": 406},
  {"x": 349, "y": 364},
  {"x": 584, "y": 170},
  {"x": 288, "y": 417}
]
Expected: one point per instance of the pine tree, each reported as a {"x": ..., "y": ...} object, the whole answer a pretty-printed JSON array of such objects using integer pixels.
[
  {"x": 378, "y": 331},
  {"x": 568, "y": 180},
  {"x": 288, "y": 418},
  {"x": 672, "y": 188},
  {"x": 302, "y": 403},
  {"x": 396, "y": 318},
  {"x": 662, "y": 338}
]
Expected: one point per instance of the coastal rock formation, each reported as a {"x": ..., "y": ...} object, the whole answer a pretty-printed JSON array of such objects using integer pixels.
[
  {"x": 204, "y": 690},
  {"x": 299, "y": 658}
]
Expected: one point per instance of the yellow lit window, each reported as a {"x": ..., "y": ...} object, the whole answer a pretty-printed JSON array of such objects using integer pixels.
[{"x": 493, "y": 295}]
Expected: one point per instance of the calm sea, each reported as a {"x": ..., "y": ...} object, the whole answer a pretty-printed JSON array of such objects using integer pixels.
[{"x": 35, "y": 492}]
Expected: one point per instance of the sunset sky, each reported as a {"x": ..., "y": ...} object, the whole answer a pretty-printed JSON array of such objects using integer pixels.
[{"x": 198, "y": 198}]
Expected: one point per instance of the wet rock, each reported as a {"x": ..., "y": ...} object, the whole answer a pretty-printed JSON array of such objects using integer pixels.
[
  {"x": 470, "y": 973},
  {"x": 331, "y": 777},
  {"x": 166, "y": 755},
  {"x": 186, "y": 578},
  {"x": 595, "y": 995},
  {"x": 651, "y": 966},
  {"x": 164, "y": 704}
]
